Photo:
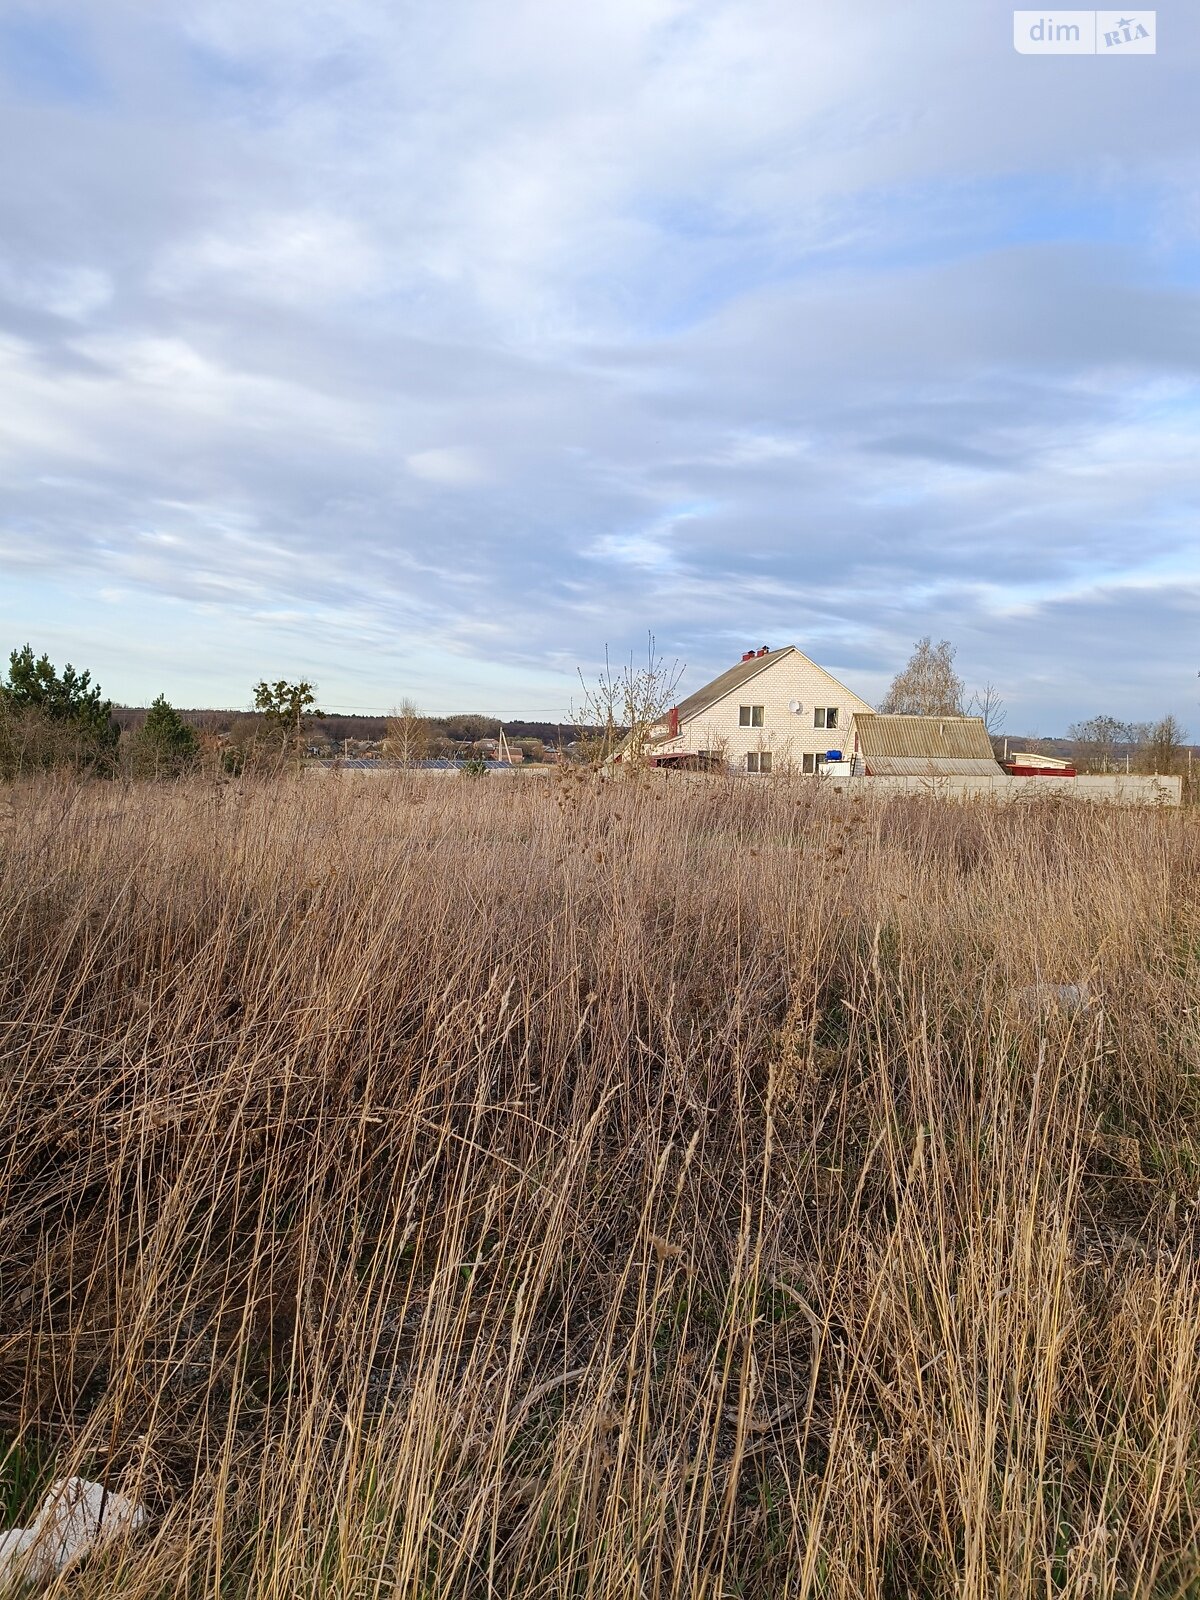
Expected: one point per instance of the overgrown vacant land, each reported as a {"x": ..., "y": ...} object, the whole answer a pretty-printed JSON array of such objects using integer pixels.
[{"x": 497, "y": 1188}]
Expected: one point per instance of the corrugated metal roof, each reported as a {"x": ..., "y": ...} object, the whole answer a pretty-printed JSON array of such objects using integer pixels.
[
  {"x": 931, "y": 767},
  {"x": 933, "y": 739},
  {"x": 445, "y": 763},
  {"x": 436, "y": 764},
  {"x": 349, "y": 763}
]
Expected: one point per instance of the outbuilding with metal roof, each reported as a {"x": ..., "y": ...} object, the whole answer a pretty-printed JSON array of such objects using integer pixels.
[{"x": 891, "y": 745}]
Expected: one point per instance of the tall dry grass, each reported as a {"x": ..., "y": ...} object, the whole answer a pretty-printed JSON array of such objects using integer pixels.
[{"x": 481, "y": 1189}]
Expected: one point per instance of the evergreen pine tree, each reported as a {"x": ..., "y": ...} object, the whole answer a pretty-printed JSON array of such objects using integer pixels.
[
  {"x": 165, "y": 745},
  {"x": 52, "y": 719}
]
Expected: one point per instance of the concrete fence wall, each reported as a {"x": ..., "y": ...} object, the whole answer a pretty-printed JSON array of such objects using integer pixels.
[
  {"x": 1123, "y": 789},
  {"x": 1110, "y": 789}
]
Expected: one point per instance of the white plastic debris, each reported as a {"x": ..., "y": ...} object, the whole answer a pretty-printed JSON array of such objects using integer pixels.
[
  {"x": 75, "y": 1517},
  {"x": 1067, "y": 997}
]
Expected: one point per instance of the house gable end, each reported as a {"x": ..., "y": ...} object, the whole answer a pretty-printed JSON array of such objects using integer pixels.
[{"x": 752, "y": 689}]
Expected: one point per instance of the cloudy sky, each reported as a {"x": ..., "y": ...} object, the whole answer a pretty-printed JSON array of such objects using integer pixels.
[{"x": 423, "y": 347}]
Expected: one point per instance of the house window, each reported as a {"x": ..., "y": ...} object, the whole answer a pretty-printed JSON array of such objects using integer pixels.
[
  {"x": 825, "y": 716},
  {"x": 758, "y": 761},
  {"x": 750, "y": 716},
  {"x": 811, "y": 764}
]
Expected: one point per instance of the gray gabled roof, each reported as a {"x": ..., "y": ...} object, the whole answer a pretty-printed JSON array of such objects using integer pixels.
[{"x": 728, "y": 681}]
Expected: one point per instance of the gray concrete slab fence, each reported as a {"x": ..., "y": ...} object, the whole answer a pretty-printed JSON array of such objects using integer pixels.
[{"x": 1122, "y": 789}]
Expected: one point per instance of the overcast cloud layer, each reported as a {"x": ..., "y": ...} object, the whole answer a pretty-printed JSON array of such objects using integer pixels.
[{"x": 425, "y": 348}]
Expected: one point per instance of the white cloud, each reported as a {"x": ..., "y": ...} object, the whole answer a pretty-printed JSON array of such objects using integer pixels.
[
  {"x": 642, "y": 551},
  {"x": 298, "y": 258},
  {"x": 451, "y": 466},
  {"x": 392, "y": 316},
  {"x": 72, "y": 292}
]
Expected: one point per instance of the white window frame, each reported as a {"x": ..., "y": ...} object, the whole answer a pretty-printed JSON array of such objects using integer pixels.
[
  {"x": 821, "y": 716},
  {"x": 751, "y": 716},
  {"x": 759, "y": 762}
]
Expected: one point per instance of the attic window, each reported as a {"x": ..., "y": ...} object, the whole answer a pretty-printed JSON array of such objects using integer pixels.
[
  {"x": 825, "y": 716},
  {"x": 750, "y": 716}
]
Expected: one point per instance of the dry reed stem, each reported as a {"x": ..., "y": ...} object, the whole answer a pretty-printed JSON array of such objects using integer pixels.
[{"x": 438, "y": 1188}]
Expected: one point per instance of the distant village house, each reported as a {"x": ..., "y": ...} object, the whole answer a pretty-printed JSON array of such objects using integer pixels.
[{"x": 775, "y": 710}]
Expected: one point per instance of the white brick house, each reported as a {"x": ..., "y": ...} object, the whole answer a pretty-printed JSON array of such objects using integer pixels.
[{"x": 775, "y": 710}]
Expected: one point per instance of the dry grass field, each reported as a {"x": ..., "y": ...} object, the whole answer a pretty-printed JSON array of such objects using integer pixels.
[{"x": 451, "y": 1188}]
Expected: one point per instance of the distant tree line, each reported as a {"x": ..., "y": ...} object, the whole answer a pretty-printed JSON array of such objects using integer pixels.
[
  {"x": 61, "y": 719},
  {"x": 330, "y": 733},
  {"x": 52, "y": 719},
  {"x": 1106, "y": 744}
]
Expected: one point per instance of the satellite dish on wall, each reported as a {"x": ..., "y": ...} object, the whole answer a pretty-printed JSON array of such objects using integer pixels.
[{"x": 795, "y": 707}]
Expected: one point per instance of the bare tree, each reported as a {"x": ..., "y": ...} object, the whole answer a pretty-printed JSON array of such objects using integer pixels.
[
  {"x": 717, "y": 745},
  {"x": 1102, "y": 743},
  {"x": 986, "y": 703},
  {"x": 928, "y": 686},
  {"x": 1162, "y": 748},
  {"x": 407, "y": 739},
  {"x": 620, "y": 709}
]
